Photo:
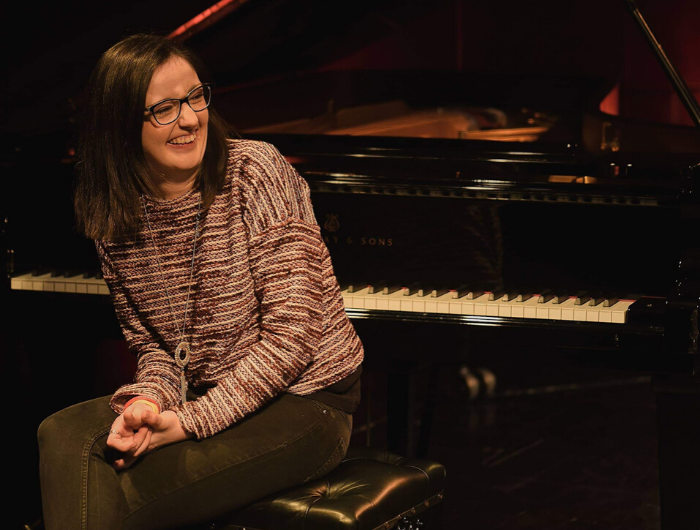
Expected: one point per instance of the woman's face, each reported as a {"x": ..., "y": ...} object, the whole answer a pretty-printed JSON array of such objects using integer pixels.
[{"x": 175, "y": 151}]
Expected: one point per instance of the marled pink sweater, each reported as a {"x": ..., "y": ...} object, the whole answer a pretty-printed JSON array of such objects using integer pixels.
[{"x": 265, "y": 312}]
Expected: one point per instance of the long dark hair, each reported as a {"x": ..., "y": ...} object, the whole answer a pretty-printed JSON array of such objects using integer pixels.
[{"x": 112, "y": 171}]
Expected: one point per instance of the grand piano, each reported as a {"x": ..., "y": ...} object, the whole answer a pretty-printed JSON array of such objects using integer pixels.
[{"x": 460, "y": 211}]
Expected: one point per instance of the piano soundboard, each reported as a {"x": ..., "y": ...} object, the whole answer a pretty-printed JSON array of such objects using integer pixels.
[{"x": 548, "y": 305}]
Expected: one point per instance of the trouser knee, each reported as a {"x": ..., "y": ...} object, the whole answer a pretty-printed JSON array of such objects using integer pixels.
[{"x": 74, "y": 426}]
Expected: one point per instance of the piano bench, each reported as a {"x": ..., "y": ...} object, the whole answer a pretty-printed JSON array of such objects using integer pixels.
[{"x": 370, "y": 489}]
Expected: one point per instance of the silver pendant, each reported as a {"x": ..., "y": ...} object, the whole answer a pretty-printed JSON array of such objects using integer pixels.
[{"x": 182, "y": 361}]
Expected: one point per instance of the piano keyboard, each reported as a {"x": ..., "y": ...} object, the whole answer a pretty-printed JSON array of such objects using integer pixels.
[
  {"x": 407, "y": 299},
  {"x": 509, "y": 305},
  {"x": 49, "y": 282}
]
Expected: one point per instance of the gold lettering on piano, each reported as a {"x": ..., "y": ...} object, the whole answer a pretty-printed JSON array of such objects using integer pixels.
[
  {"x": 366, "y": 241},
  {"x": 377, "y": 241},
  {"x": 331, "y": 224}
]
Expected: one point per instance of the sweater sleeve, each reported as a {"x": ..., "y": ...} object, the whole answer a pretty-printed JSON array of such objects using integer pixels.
[
  {"x": 157, "y": 376},
  {"x": 285, "y": 253}
]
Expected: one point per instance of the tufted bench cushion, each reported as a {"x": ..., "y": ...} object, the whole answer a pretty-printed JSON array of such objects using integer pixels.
[{"x": 370, "y": 489}]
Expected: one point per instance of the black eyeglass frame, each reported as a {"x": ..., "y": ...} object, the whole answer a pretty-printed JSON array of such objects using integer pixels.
[{"x": 186, "y": 99}]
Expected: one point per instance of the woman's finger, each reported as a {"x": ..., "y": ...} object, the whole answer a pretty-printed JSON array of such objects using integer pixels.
[
  {"x": 130, "y": 418},
  {"x": 154, "y": 420},
  {"x": 146, "y": 442},
  {"x": 123, "y": 463},
  {"x": 139, "y": 435}
]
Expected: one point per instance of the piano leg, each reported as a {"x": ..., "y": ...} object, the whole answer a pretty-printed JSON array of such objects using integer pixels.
[
  {"x": 678, "y": 427},
  {"x": 408, "y": 427}
]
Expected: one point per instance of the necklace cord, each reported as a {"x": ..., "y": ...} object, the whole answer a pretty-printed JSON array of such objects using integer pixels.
[{"x": 181, "y": 332}]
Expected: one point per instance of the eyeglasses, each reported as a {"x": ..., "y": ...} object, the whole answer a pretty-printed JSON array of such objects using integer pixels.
[{"x": 168, "y": 110}]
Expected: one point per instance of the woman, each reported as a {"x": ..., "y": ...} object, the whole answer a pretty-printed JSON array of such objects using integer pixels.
[{"x": 248, "y": 368}]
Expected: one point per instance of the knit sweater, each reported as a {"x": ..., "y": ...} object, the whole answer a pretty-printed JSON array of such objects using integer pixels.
[{"x": 265, "y": 312}]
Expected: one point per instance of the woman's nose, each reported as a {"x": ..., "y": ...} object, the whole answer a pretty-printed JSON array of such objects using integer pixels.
[{"x": 188, "y": 117}]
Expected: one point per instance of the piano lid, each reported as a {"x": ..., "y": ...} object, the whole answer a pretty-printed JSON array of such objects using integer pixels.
[
  {"x": 443, "y": 69},
  {"x": 498, "y": 70}
]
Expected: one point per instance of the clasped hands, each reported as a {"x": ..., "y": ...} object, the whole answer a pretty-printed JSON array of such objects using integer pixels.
[{"x": 141, "y": 431}]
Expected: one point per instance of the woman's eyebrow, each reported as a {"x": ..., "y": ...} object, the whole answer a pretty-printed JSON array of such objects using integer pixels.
[{"x": 165, "y": 99}]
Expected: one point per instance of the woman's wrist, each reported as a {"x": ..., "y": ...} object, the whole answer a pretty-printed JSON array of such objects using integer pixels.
[{"x": 147, "y": 401}]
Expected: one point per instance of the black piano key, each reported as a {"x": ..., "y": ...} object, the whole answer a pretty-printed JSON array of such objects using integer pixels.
[
  {"x": 467, "y": 291},
  {"x": 610, "y": 301},
  {"x": 596, "y": 299},
  {"x": 523, "y": 297},
  {"x": 391, "y": 288},
  {"x": 496, "y": 295},
  {"x": 435, "y": 292},
  {"x": 582, "y": 298},
  {"x": 383, "y": 287},
  {"x": 412, "y": 288},
  {"x": 517, "y": 295},
  {"x": 557, "y": 296},
  {"x": 545, "y": 295},
  {"x": 354, "y": 287}
]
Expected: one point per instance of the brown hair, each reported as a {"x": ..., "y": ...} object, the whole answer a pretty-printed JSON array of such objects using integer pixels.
[{"x": 112, "y": 171}]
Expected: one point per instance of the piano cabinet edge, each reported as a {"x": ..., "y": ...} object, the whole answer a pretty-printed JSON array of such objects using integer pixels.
[{"x": 627, "y": 347}]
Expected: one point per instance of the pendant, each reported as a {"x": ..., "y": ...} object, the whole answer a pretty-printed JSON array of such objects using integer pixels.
[
  {"x": 182, "y": 361},
  {"x": 179, "y": 359}
]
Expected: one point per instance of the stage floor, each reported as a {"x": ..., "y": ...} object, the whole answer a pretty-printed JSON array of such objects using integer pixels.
[{"x": 550, "y": 449}]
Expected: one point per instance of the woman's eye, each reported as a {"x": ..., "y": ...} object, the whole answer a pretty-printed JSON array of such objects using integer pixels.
[{"x": 162, "y": 110}]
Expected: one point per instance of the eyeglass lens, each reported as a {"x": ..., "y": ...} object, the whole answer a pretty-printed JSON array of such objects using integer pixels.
[{"x": 168, "y": 111}]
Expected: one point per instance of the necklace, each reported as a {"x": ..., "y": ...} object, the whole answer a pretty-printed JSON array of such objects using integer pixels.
[{"x": 182, "y": 351}]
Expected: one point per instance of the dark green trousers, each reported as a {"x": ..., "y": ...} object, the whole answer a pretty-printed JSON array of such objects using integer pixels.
[{"x": 287, "y": 442}]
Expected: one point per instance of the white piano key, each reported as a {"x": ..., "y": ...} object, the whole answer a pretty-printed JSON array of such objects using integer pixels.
[
  {"x": 493, "y": 306},
  {"x": 567, "y": 309},
  {"x": 593, "y": 313},
  {"x": 394, "y": 300},
  {"x": 357, "y": 299},
  {"x": 38, "y": 282},
  {"x": 455, "y": 307},
  {"x": 505, "y": 308},
  {"x": 480, "y": 305},
  {"x": 605, "y": 315},
  {"x": 580, "y": 313},
  {"x": 438, "y": 304},
  {"x": 530, "y": 307},
  {"x": 619, "y": 311},
  {"x": 518, "y": 309},
  {"x": 562, "y": 311},
  {"x": 18, "y": 282},
  {"x": 409, "y": 301}
]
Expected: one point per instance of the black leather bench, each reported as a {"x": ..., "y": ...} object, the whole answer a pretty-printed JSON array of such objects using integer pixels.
[{"x": 370, "y": 489}]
